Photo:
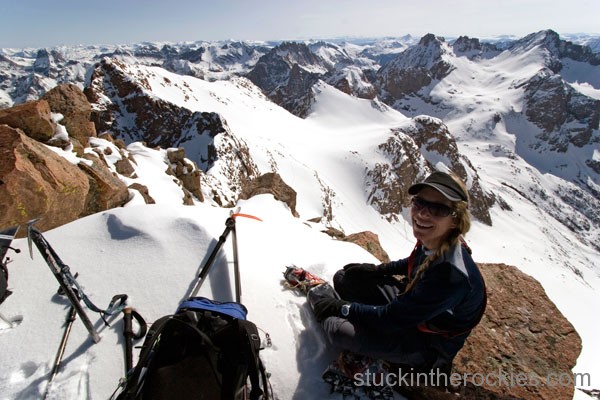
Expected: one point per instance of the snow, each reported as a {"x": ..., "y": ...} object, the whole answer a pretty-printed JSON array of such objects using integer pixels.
[{"x": 153, "y": 253}]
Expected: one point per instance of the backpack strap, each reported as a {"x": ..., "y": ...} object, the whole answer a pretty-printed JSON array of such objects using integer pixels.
[
  {"x": 133, "y": 387},
  {"x": 256, "y": 369}
]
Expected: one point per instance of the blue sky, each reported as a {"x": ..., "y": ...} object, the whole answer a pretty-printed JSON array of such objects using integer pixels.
[{"x": 44, "y": 23}]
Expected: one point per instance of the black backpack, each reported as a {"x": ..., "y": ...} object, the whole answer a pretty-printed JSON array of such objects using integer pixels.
[{"x": 206, "y": 350}]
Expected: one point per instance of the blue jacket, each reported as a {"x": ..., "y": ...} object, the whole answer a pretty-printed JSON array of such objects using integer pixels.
[{"x": 449, "y": 297}]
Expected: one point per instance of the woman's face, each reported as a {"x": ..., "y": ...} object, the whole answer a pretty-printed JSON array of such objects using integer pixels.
[{"x": 427, "y": 227}]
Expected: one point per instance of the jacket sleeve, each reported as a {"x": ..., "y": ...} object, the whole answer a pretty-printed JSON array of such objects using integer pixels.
[{"x": 439, "y": 289}]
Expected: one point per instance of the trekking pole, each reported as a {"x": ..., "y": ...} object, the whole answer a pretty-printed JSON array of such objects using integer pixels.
[
  {"x": 71, "y": 316},
  {"x": 128, "y": 334},
  {"x": 236, "y": 267},
  {"x": 61, "y": 272},
  {"x": 129, "y": 314},
  {"x": 229, "y": 227}
]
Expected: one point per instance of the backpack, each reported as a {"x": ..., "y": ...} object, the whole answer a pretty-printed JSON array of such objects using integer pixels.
[{"x": 206, "y": 350}]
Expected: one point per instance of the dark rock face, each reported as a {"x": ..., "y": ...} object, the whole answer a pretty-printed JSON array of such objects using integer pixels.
[
  {"x": 282, "y": 76},
  {"x": 287, "y": 74},
  {"x": 155, "y": 121},
  {"x": 413, "y": 69},
  {"x": 566, "y": 116}
]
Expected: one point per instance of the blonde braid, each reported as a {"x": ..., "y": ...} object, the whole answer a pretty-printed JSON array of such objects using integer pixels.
[{"x": 438, "y": 253}]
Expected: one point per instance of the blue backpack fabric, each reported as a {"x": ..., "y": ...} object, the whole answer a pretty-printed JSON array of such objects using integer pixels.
[
  {"x": 206, "y": 350},
  {"x": 231, "y": 308}
]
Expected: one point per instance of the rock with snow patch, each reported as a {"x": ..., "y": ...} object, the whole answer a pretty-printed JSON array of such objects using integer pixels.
[
  {"x": 388, "y": 182},
  {"x": 69, "y": 100},
  {"x": 106, "y": 189},
  {"x": 186, "y": 171},
  {"x": 38, "y": 183},
  {"x": 143, "y": 190},
  {"x": 125, "y": 105},
  {"x": 566, "y": 116},
  {"x": 289, "y": 71}
]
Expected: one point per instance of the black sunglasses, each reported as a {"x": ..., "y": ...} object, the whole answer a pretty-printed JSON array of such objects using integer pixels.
[{"x": 435, "y": 209}]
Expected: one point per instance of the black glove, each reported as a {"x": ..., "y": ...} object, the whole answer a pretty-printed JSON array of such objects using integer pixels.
[
  {"x": 362, "y": 270},
  {"x": 328, "y": 307}
]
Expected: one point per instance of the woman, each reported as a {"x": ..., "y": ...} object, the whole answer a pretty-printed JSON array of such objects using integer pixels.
[{"x": 423, "y": 321}]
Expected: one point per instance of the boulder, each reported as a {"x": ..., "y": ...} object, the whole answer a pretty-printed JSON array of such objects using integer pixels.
[
  {"x": 38, "y": 183},
  {"x": 69, "y": 100},
  {"x": 106, "y": 189},
  {"x": 34, "y": 118}
]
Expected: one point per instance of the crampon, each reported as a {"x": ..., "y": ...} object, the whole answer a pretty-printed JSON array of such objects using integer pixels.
[{"x": 300, "y": 279}]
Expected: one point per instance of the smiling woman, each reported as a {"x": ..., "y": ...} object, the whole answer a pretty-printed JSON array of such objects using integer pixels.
[{"x": 421, "y": 321}]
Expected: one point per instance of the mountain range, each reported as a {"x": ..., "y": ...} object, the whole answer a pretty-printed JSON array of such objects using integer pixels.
[{"x": 350, "y": 124}]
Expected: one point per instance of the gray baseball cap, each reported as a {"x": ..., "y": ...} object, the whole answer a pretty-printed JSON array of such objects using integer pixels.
[{"x": 444, "y": 184}]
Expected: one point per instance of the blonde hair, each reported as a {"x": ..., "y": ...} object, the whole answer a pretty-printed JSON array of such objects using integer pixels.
[{"x": 462, "y": 221}]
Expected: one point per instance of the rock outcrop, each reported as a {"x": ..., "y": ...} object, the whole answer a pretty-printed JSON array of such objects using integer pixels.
[
  {"x": 370, "y": 242},
  {"x": 271, "y": 183},
  {"x": 38, "y": 183},
  {"x": 565, "y": 116},
  {"x": 187, "y": 172},
  {"x": 287, "y": 74},
  {"x": 125, "y": 105},
  {"x": 69, "y": 100}
]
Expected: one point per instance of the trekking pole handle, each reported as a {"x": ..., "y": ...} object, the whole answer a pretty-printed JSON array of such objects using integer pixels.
[{"x": 128, "y": 334}]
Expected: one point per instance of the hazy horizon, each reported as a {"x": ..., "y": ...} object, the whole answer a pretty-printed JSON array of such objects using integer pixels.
[{"x": 37, "y": 23}]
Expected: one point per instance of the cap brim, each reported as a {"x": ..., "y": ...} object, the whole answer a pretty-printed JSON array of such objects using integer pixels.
[{"x": 449, "y": 194}]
